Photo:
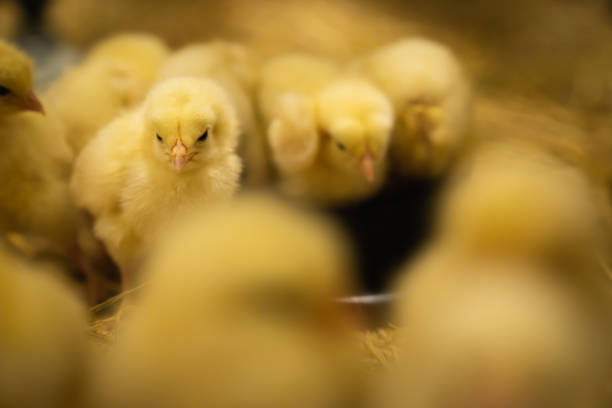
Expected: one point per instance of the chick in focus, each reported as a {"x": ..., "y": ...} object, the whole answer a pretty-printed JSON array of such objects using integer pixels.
[
  {"x": 496, "y": 334},
  {"x": 511, "y": 199},
  {"x": 235, "y": 68},
  {"x": 328, "y": 136},
  {"x": 175, "y": 150},
  {"x": 261, "y": 329},
  {"x": 431, "y": 98},
  {"x": 43, "y": 346},
  {"x": 115, "y": 76}
]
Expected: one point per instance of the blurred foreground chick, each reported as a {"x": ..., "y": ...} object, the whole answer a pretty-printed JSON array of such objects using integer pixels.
[
  {"x": 43, "y": 348},
  {"x": 239, "y": 311},
  {"x": 511, "y": 199},
  {"x": 115, "y": 75},
  {"x": 235, "y": 68},
  {"x": 328, "y": 136},
  {"x": 500, "y": 335},
  {"x": 146, "y": 167},
  {"x": 431, "y": 98}
]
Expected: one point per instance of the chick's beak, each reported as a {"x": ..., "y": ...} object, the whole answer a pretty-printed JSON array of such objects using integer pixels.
[
  {"x": 31, "y": 103},
  {"x": 179, "y": 155},
  {"x": 366, "y": 166}
]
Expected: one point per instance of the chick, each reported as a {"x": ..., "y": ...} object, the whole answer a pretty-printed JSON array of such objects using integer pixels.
[
  {"x": 175, "y": 150},
  {"x": 432, "y": 102},
  {"x": 500, "y": 335},
  {"x": 35, "y": 198},
  {"x": 328, "y": 136},
  {"x": 257, "y": 330},
  {"x": 16, "y": 89},
  {"x": 43, "y": 346},
  {"x": 511, "y": 199},
  {"x": 234, "y": 68},
  {"x": 115, "y": 76}
]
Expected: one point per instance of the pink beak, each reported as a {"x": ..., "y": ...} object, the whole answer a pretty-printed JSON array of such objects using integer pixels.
[
  {"x": 366, "y": 165},
  {"x": 179, "y": 155},
  {"x": 32, "y": 103}
]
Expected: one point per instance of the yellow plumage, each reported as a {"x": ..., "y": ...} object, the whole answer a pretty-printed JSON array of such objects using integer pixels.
[
  {"x": 432, "y": 102},
  {"x": 494, "y": 333},
  {"x": 235, "y": 68},
  {"x": 239, "y": 310},
  {"x": 115, "y": 75},
  {"x": 328, "y": 136},
  {"x": 144, "y": 168},
  {"x": 43, "y": 346}
]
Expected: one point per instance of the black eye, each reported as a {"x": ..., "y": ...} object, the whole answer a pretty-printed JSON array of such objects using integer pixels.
[
  {"x": 341, "y": 146},
  {"x": 4, "y": 91},
  {"x": 159, "y": 137},
  {"x": 204, "y": 136}
]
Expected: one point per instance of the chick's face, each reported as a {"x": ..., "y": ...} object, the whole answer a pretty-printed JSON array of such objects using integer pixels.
[
  {"x": 16, "y": 92},
  {"x": 355, "y": 120},
  {"x": 187, "y": 128}
]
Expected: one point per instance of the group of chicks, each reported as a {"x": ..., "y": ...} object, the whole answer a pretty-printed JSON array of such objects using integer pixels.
[{"x": 140, "y": 152}]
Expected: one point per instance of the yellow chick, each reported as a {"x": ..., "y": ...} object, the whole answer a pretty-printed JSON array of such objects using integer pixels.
[
  {"x": 176, "y": 150},
  {"x": 234, "y": 68},
  {"x": 43, "y": 343},
  {"x": 328, "y": 136},
  {"x": 261, "y": 329},
  {"x": 514, "y": 200},
  {"x": 115, "y": 76},
  {"x": 35, "y": 198},
  {"x": 499, "y": 335},
  {"x": 432, "y": 102}
]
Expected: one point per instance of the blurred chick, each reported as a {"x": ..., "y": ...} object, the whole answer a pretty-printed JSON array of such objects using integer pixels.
[
  {"x": 10, "y": 18},
  {"x": 512, "y": 199},
  {"x": 115, "y": 75},
  {"x": 234, "y": 68},
  {"x": 35, "y": 198},
  {"x": 328, "y": 136},
  {"x": 258, "y": 330},
  {"x": 431, "y": 98},
  {"x": 500, "y": 335},
  {"x": 43, "y": 345},
  {"x": 176, "y": 150}
]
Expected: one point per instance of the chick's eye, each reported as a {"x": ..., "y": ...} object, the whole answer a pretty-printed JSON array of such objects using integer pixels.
[
  {"x": 159, "y": 137},
  {"x": 341, "y": 146},
  {"x": 4, "y": 91},
  {"x": 204, "y": 136}
]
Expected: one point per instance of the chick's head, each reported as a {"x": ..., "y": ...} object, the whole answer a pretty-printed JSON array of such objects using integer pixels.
[
  {"x": 355, "y": 119},
  {"x": 16, "y": 82},
  {"x": 189, "y": 122}
]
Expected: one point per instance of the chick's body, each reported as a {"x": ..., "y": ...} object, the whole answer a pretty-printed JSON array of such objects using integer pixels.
[
  {"x": 259, "y": 330},
  {"x": 432, "y": 103},
  {"x": 176, "y": 150},
  {"x": 235, "y": 69},
  {"x": 43, "y": 346},
  {"x": 115, "y": 76},
  {"x": 328, "y": 136},
  {"x": 495, "y": 334}
]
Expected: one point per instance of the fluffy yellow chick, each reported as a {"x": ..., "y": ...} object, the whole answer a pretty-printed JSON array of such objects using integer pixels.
[
  {"x": 513, "y": 200},
  {"x": 328, "y": 136},
  {"x": 431, "y": 98},
  {"x": 43, "y": 343},
  {"x": 233, "y": 67},
  {"x": 35, "y": 198},
  {"x": 115, "y": 75},
  {"x": 500, "y": 335},
  {"x": 239, "y": 311},
  {"x": 175, "y": 150}
]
